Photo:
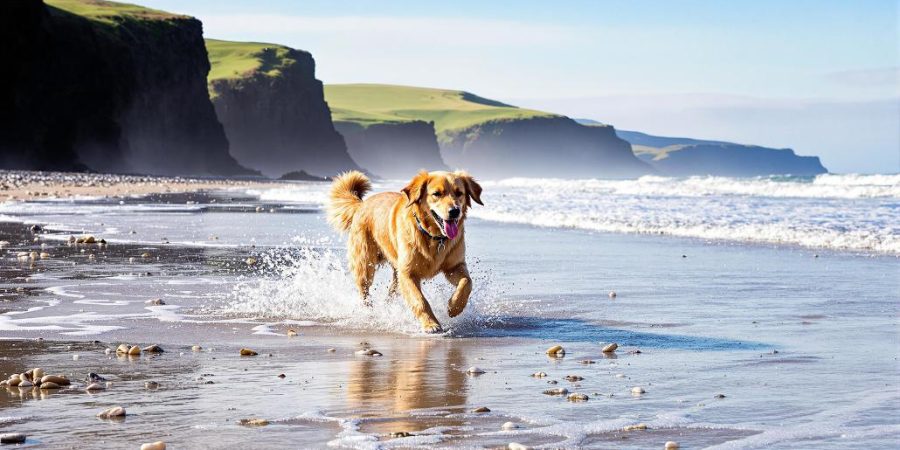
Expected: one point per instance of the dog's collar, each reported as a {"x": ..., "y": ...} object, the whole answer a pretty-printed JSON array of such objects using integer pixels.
[{"x": 441, "y": 239}]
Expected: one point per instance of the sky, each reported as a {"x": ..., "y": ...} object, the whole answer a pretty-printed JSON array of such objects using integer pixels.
[{"x": 821, "y": 77}]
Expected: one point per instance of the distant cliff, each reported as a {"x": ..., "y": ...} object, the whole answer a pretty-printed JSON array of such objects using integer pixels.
[
  {"x": 273, "y": 109},
  {"x": 489, "y": 138},
  {"x": 686, "y": 157},
  {"x": 108, "y": 87},
  {"x": 393, "y": 149}
]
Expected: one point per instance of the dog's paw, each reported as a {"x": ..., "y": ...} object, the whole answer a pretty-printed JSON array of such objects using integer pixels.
[{"x": 432, "y": 328}]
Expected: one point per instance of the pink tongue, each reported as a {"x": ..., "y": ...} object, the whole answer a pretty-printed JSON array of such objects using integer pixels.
[{"x": 451, "y": 229}]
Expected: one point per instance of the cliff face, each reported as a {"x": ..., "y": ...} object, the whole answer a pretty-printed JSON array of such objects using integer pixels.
[
  {"x": 122, "y": 94},
  {"x": 275, "y": 115},
  {"x": 685, "y": 157},
  {"x": 393, "y": 150},
  {"x": 541, "y": 147}
]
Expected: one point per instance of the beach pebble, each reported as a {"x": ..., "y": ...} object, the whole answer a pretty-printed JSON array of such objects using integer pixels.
[
  {"x": 93, "y": 387},
  {"x": 637, "y": 390},
  {"x": 612, "y": 294},
  {"x": 115, "y": 411},
  {"x": 50, "y": 385},
  {"x": 122, "y": 348},
  {"x": 151, "y": 385},
  {"x": 254, "y": 422},
  {"x": 12, "y": 438},
  {"x": 281, "y": 375},
  {"x": 4, "y": 383},
  {"x": 575, "y": 397},
  {"x": 611, "y": 348},
  {"x": 251, "y": 261},
  {"x": 108, "y": 351},
  {"x": 557, "y": 391},
  {"x": 145, "y": 255},
  {"x": 573, "y": 378},
  {"x": 95, "y": 378},
  {"x": 539, "y": 374},
  {"x": 516, "y": 446},
  {"x": 400, "y": 434},
  {"x": 291, "y": 333},
  {"x": 481, "y": 409},
  {"x": 153, "y": 349},
  {"x": 331, "y": 350},
  {"x": 248, "y": 352},
  {"x": 556, "y": 350},
  {"x": 368, "y": 352},
  {"x": 475, "y": 371},
  {"x": 636, "y": 427},
  {"x": 587, "y": 361},
  {"x": 45, "y": 255},
  {"x": 510, "y": 426},
  {"x": 134, "y": 351},
  {"x": 37, "y": 373},
  {"x": 196, "y": 348},
  {"x": 155, "y": 301},
  {"x": 671, "y": 445},
  {"x": 158, "y": 445},
  {"x": 620, "y": 375}
]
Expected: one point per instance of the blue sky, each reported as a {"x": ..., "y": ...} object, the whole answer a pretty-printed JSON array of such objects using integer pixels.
[{"x": 817, "y": 76}]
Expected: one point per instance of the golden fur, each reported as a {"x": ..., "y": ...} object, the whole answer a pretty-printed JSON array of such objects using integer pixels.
[{"x": 382, "y": 228}]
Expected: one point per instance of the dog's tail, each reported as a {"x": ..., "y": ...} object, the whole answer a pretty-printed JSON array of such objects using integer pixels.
[{"x": 347, "y": 192}]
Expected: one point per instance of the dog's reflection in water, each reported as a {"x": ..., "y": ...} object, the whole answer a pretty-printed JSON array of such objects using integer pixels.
[{"x": 430, "y": 375}]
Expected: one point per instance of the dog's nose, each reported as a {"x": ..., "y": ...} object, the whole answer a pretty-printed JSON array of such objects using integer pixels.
[{"x": 454, "y": 213}]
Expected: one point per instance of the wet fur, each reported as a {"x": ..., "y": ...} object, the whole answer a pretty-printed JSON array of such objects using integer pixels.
[{"x": 382, "y": 228}]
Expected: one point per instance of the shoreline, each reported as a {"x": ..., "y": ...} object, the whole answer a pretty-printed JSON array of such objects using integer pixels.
[{"x": 36, "y": 185}]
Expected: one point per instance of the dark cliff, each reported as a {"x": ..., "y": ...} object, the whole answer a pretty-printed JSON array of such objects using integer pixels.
[
  {"x": 107, "y": 90},
  {"x": 393, "y": 150},
  {"x": 273, "y": 109},
  {"x": 685, "y": 157},
  {"x": 541, "y": 147}
]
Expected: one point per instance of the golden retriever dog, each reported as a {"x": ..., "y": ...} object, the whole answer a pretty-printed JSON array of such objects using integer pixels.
[{"x": 419, "y": 231}]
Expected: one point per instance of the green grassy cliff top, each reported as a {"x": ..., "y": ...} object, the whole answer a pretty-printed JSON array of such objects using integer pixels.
[
  {"x": 110, "y": 12},
  {"x": 368, "y": 104},
  {"x": 232, "y": 60}
]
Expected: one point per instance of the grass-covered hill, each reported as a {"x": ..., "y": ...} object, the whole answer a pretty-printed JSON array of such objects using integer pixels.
[
  {"x": 273, "y": 109},
  {"x": 111, "y": 12},
  {"x": 490, "y": 138},
  {"x": 368, "y": 104}
]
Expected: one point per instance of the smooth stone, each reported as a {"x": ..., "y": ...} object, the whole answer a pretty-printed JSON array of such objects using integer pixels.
[
  {"x": 153, "y": 349},
  {"x": 95, "y": 378},
  {"x": 620, "y": 375},
  {"x": 76, "y": 357},
  {"x": 196, "y": 348},
  {"x": 254, "y": 422},
  {"x": 577, "y": 398},
  {"x": 368, "y": 352},
  {"x": 281, "y": 375},
  {"x": 475, "y": 371},
  {"x": 573, "y": 378},
  {"x": 155, "y": 301},
  {"x": 556, "y": 350},
  {"x": 557, "y": 391},
  {"x": 539, "y": 374},
  {"x": 158, "y": 445},
  {"x": 331, "y": 350},
  {"x": 25, "y": 383},
  {"x": 611, "y": 348},
  {"x": 516, "y": 446},
  {"x": 671, "y": 445},
  {"x": 510, "y": 426},
  {"x": 145, "y": 255},
  {"x": 248, "y": 352},
  {"x": 50, "y": 385},
  {"x": 108, "y": 351},
  {"x": 13, "y": 382},
  {"x": 4, "y": 383},
  {"x": 12, "y": 438},
  {"x": 122, "y": 348},
  {"x": 637, "y": 427},
  {"x": 37, "y": 373},
  {"x": 400, "y": 434},
  {"x": 291, "y": 333},
  {"x": 94, "y": 387},
  {"x": 481, "y": 409},
  {"x": 720, "y": 395},
  {"x": 134, "y": 351},
  {"x": 45, "y": 255},
  {"x": 612, "y": 294},
  {"x": 250, "y": 261},
  {"x": 115, "y": 411},
  {"x": 637, "y": 390},
  {"x": 151, "y": 385}
]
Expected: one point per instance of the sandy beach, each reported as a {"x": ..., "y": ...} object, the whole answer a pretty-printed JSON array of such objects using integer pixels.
[{"x": 720, "y": 345}]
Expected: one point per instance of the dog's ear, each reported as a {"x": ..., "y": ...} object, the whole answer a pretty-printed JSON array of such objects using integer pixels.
[
  {"x": 416, "y": 188},
  {"x": 473, "y": 189}
]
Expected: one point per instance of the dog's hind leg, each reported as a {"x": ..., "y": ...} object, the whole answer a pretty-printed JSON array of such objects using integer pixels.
[
  {"x": 459, "y": 277},
  {"x": 364, "y": 258},
  {"x": 394, "y": 287}
]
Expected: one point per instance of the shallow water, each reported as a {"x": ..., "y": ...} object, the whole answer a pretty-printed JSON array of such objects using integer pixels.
[{"x": 803, "y": 343}]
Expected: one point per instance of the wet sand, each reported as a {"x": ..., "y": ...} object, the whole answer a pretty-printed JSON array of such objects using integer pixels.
[{"x": 685, "y": 338}]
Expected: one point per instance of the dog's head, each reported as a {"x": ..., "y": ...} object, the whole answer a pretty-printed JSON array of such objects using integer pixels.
[{"x": 444, "y": 197}]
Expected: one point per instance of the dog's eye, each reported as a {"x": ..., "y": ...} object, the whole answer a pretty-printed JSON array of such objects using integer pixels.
[
  {"x": 459, "y": 193},
  {"x": 436, "y": 194}
]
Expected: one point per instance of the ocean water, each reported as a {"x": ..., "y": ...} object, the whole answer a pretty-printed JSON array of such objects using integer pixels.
[{"x": 798, "y": 331}]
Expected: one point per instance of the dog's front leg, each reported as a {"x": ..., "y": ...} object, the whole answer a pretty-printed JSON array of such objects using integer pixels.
[
  {"x": 411, "y": 290},
  {"x": 459, "y": 277}
]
